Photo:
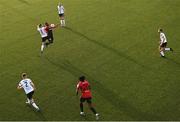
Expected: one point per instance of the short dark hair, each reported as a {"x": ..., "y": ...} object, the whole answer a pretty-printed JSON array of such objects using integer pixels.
[
  {"x": 40, "y": 25},
  {"x": 82, "y": 78},
  {"x": 46, "y": 23}
]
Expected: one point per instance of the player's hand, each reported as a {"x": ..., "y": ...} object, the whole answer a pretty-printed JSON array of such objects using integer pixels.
[{"x": 19, "y": 87}]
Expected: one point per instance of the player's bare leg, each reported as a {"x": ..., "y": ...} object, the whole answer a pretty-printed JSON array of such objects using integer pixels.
[
  {"x": 161, "y": 50},
  {"x": 62, "y": 21},
  {"x": 168, "y": 49},
  {"x": 28, "y": 101},
  {"x": 81, "y": 109},
  {"x": 34, "y": 105},
  {"x": 42, "y": 47},
  {"x": 93, "y": 110}
]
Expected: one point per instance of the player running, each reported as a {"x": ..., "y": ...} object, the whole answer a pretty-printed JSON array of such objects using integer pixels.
[
  {"x": 163, "y": 43},
  {"x": 44, "y": 36},
  {"x": 61, "y": 11},
  {"x": 84, "y": 86},
  {"x": 29, "y": 88}
]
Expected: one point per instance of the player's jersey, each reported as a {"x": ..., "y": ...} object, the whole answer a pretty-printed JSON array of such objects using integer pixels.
[
  {"x": 42, "y": 32},
  {"x": 163, "y": 38},
  {"x": 84, "y": 87},
  {"x": 26, "y": 85},
  {"x": 61, "y": 9},
  {"x": 48, "y": 28}
]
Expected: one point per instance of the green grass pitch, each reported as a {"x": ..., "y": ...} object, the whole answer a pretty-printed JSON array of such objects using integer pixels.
[{"x": 114, "y": 43}]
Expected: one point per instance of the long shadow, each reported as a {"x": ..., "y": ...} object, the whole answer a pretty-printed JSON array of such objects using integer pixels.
[
  {"x": 105, "y": 46},
  {"x": 39, "y": 113},
  {"x": 109, "y": 95},
  {"x": 24, "y": 2},
  {"x": 173, "y": 61},
  {"x": 41, "y": 116}
]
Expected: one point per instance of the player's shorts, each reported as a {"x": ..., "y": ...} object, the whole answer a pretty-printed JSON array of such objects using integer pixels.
[
  {"x": 164, "y": 44},
  {"x": 30, "y": 95},
  {"x": 44, "y": 39},
  {"x": 61, "y": 15},
  {"x": 88, "y": 100},
  {"x": 50, "y": 36}
]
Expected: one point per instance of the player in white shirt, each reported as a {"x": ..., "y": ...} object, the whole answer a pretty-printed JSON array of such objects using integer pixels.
[
  {"x": 44, "y": 36},
  {"x": 61, "y": 11},
  {"x": 29, "y": 88},
  {"x": 163, "y": 43}
]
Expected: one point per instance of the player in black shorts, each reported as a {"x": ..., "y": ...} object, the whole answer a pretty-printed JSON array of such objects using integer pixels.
[
  {"x": 49, "y": 30},
  {"x": 61, "y": 11}
]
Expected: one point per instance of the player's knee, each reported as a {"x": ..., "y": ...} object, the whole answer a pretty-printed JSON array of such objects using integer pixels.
[
  {"x": 81, "y": 104},
  {"x": 43, "y": 43},
  {"x": 31, "y": 101},
  {"x": 90, "y": 105}
]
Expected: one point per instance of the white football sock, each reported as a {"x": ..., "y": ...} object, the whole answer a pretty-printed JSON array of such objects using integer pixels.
[
  {"x": 97, "y": 114},
  {"x": 167, "y": 49},
  {"x": 35, "y": 106},
  {"x": 162, "y": 53},
  {"x": 64, "y": 23},
  {"x": 61, "y": 22},
  {"x": 42, "y": 47}
]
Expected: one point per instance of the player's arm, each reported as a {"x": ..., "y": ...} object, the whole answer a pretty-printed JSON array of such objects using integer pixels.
[
  {"x": 37, "y": 27},
  {"x": 56, "y": 25},
  {"x": 160, "y": 41},
  {"x": 89, "y": 87},
  {"x": 32, "y": 84},
  {"x": 77, "y": 89},
  {"x": 19, "y": 86}
]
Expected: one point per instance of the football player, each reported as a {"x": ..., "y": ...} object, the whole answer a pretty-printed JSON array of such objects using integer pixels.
[
  {"x": 84, "y": 86},
  {"x": 163, "y": 43},
  {"x": 44, "y": 36},
  {"x": 61, "y": 11},
  {"x": 29, "y": 89}
]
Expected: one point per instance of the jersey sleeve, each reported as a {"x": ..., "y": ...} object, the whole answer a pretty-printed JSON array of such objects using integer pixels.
[
  {"x": 58, "y": 8},
  {"x": 20, "y": 84}
]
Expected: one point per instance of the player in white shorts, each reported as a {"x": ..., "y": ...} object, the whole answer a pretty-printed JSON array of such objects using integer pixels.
[
  {"x": 44, "y": 36},
  {"x": 29, "y": 88},
  {"x": 163, "y": 43},
  {"x": 61, "y": 11}
]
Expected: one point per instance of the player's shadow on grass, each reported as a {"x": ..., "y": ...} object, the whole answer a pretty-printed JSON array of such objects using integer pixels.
[
  {"x": 24, "y": 2},
  {"x": 173, "y": 61},
  {"x": 37, "y": 113},
  {"x": 105, "y": 46},
  {"x": 106, "y": 93}
]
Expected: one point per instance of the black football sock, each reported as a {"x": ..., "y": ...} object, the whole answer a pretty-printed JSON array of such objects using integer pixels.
[
  {"x": 81, "y": 107},
  {"x": 93, "y": 110}
]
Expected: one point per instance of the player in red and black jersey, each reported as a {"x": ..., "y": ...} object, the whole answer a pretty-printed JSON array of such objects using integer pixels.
[
  {"x": 49, "y": 29},
  {"x": 84, "y": 86}
]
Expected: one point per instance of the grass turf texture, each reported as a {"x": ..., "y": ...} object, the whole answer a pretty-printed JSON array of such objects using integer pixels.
[{"x": 112, "y": 42}]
